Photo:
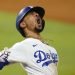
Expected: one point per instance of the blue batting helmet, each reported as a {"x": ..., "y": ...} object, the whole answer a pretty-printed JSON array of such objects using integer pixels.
[{"x": 23, "y": 12}]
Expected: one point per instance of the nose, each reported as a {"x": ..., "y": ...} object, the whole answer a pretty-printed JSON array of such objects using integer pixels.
[{"x": 37, "y": 15}]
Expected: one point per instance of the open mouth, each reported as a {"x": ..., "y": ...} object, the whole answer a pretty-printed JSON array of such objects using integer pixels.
[{"x": 39, "y": 21}]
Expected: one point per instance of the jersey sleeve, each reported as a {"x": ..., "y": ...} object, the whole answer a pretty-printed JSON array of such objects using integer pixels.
[{"x": 16, "y": 54}]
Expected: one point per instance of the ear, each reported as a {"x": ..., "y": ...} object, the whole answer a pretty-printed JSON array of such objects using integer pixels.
[{"x": 22, "y": 24}]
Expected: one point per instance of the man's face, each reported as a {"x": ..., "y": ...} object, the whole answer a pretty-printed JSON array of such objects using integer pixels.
[{"x": 33, "y": 22}]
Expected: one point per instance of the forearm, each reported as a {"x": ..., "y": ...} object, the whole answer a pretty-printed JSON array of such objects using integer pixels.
[{"x": 3, "y": 58}]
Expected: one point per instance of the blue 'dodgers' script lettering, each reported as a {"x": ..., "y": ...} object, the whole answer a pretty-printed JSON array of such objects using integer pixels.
[{"x": 46, "y": 58}]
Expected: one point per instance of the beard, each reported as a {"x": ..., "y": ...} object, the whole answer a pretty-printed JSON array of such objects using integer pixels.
[{"x": 42, "y": 27}]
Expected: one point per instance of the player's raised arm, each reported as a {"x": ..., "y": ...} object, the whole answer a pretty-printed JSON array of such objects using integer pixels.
[{"x": 12, "y": 55}]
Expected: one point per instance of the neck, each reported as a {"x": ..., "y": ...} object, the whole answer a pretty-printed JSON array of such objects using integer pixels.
[{"x": 33, "y": 35}]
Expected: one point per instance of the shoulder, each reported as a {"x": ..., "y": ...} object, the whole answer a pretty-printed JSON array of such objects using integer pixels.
[
  {"x": 23, "y": 42},
  {"x": 53, "y": 49},
  {"x": 19, "y": 45}
]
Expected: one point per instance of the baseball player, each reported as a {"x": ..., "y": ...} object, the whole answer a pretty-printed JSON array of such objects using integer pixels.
[{"x": 35, "y": 56}]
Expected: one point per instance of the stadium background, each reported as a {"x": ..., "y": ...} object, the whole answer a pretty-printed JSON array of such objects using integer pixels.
[{"x": 59, "y": 31}]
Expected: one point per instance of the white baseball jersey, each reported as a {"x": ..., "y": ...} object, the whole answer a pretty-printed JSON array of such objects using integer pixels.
[{"x": 36, "y": 57}]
